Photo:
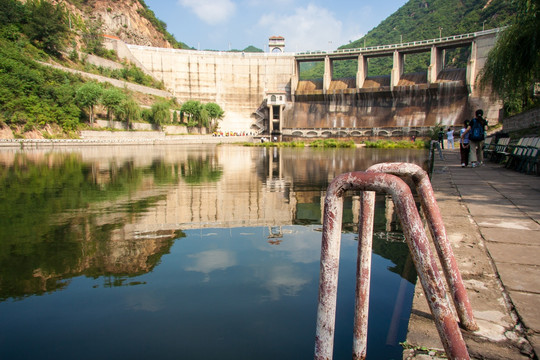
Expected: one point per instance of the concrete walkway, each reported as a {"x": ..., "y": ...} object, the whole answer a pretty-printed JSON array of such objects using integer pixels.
[{"x": 492, "y": 219}]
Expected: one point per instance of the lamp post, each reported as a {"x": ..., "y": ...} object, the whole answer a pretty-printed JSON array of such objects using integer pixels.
[
  {"x": 483, "y": 23},
  {"x": 440, "y": 32}
]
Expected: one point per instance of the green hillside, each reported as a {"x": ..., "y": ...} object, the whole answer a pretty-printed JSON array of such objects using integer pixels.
[
  {"x": 40, "y": 100},
  {"x": 422, "y": 20}
]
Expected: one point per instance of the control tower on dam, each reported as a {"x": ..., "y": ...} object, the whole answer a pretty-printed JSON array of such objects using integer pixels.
[{"x": 265, "y": 93}]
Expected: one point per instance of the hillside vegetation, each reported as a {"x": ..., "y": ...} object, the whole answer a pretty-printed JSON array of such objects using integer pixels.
[
  {"x": 422, "y": 20},
  {"x": 39, "y": 99}
]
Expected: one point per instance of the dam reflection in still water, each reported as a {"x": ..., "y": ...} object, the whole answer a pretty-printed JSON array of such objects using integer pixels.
[{"x": 192, "y": 252}]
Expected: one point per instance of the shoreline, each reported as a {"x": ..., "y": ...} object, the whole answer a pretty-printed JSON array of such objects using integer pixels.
[{"x": 98, "y": 141}]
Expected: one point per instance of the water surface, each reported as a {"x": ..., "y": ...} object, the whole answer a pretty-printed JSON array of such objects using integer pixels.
[{"x": 191, "y": 252}]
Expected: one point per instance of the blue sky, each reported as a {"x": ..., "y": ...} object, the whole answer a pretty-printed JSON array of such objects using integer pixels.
[{"x": 305, "y": 24}]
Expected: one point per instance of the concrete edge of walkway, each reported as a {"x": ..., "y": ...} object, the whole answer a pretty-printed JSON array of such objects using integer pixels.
[{"x": 502, "y": 334}]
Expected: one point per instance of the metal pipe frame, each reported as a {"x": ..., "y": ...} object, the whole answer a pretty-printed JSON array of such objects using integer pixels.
[
  {"x": 438, "y": 232},
  {"x": 417, "y": 241}
]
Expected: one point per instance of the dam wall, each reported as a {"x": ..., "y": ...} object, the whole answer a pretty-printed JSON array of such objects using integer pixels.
[
  {"x": 408, "y": 106},
  {"x": 237, "y": 82},
  {"x": 264, "y": 92}
]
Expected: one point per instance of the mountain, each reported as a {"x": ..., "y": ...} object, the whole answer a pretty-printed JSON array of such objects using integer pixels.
[
  {"x": 131, "y": 21},
  {"x": 422, "y": 20}
]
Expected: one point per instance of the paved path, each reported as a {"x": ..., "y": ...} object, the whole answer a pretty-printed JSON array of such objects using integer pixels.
[{"x": 492, "y": 219}]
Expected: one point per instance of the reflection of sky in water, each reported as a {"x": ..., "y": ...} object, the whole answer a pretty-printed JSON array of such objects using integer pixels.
[
  {"x": 219, "y": 293},
  {"x": 272, "y": 267},
  {"x": 210, "y": 260}
]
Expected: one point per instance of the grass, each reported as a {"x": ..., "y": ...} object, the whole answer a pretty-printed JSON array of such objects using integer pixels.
[
  {"x": 299, "y": 144},
  {"x": 401, "y": 144},
  {"x": 328, "y": 143},
  {"x": 332, "y": 143}
]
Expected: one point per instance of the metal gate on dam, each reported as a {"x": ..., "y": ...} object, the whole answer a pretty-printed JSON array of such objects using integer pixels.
[{"x": 264, "y": 92}]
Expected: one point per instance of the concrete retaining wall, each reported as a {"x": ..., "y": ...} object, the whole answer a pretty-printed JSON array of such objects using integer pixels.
[
  {"x": 168, "y": 129},
  {"x": 522, "y": 121},
  {"x": 106, "y": 138}
]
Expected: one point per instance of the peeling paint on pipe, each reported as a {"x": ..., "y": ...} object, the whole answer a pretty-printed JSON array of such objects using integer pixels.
[
  {"x": 363, "y": 274},
  {"x": 417, "y": 241},
  {"x": 438, "y": 232}
]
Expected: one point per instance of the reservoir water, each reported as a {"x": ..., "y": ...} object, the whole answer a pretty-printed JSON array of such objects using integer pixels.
[{"x": 186, "y": 252}]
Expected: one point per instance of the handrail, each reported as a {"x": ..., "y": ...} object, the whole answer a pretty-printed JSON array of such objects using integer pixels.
[
  {"x": 417, "y": 241},
  {"x": 438, "y": 232},
  {"x": 441, "y": 40}
]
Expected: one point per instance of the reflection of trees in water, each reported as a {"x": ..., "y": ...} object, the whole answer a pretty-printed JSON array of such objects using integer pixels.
[
  {"x": 60, "y": 218},
  {"x": 197, "y": 170},
  {"x": 163, "y": 172},
  {"x": 81, "y": 245}
]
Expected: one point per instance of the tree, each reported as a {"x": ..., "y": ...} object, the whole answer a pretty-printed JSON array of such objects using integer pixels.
[
  {"x": 192, "y": 109},
  {"x": 11, "y": 12},
  {"x": 93, "y": 39},
  {"x": 161, "y": 113},
  {"x": 513, "y": 65},
  {"x": 112, "y": 98},
  {"x": 88, "y": 96},
  {"x": 130, "y": 110},
  {"x": 46, "y": 25},
  {"x": 215, "y": 112}
]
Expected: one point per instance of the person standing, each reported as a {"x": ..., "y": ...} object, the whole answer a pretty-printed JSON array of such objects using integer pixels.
[
  {"x": 440, "y": 138},
  {"x": 464, "y": 144},
  {"x": 450, "y": 138},
  {"x": 476, "y": 131}
]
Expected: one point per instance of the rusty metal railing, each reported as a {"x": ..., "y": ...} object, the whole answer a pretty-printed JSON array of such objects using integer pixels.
[
  {"x": 417, "y": 241},
  {"x": 438, "y": 232}
]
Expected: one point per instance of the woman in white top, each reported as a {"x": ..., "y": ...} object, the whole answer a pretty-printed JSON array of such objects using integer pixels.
[
  {"x": 450, "y": 138},
  {"x": 464, "y": 144}
]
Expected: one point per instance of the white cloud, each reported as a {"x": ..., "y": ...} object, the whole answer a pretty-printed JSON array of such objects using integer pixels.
[
  {"x": 284, "y": 280},
  {"x": 308, "y": 28},
  {"x": 211, "y": 11},
  {"x": 255, "y": 3},
  {"x": 211, "y": 260}
]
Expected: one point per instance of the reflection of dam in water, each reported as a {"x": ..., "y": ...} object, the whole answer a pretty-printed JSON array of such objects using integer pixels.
[
  {"x": 255, "y": 186},
  {"x": 281, "y": 191},
  {"x": 161, "y": 245}
]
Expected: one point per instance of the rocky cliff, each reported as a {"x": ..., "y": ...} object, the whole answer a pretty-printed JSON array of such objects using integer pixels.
[{"x": 121, "y": 18}]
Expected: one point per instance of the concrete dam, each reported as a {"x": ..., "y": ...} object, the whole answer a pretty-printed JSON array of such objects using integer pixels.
[{"x": 263, "y": 92}]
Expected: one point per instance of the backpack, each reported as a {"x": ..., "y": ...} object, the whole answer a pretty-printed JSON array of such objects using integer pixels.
[{"x": 477, "y": 130}]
